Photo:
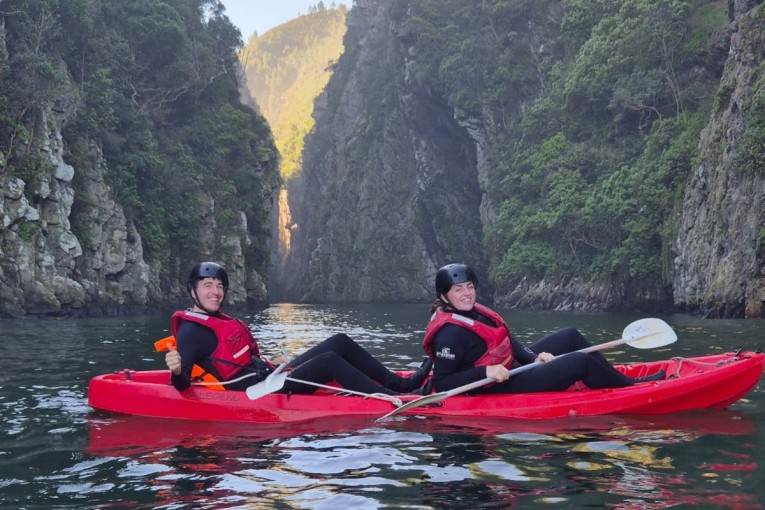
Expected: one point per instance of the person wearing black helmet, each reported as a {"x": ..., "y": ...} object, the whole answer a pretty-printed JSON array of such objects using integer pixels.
[
  {"x": 469, "y": 342},
  {"x": 213, "y": 347}
]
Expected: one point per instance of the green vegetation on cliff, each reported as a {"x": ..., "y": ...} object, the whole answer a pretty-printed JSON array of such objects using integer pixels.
[
  {"x": 154, "y": 86},
  {"x": 286, "y": 68},
  {"x": 595, "y": 110}
]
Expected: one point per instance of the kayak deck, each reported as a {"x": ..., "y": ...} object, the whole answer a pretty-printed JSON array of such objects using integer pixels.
[{"x": 706, "y": 382}]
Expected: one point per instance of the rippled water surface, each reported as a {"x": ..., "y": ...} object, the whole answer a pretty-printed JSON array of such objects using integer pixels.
[{"x": 55, "y": 452}]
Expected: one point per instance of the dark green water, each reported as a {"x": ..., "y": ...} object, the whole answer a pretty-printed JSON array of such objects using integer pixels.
[{"x": 55, "y": 452}]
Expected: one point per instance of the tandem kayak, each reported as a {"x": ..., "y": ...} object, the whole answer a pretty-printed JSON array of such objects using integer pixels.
[{"x": 705, "y": 382}]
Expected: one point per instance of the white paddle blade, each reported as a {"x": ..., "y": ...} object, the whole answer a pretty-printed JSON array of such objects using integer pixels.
[
  {"x": 270, "y": 384},
  {"x": 649, "y": 334}
]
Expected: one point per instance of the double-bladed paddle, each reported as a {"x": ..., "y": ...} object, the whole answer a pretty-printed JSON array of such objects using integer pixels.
[{"x": 642, "y": 334}]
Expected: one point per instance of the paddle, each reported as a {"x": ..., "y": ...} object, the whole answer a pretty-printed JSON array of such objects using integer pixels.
[
  {"x": 275, "y": 381},
  {"x": 270, "y": 384},
  {"x": 642, "y": 334}
]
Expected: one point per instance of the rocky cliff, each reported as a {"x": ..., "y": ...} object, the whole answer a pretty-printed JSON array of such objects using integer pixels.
[
  {"x": 44, "y": 269},
  {"x": 388, "y": 188},
  {"x": 47, "y": 270},
  {"x": 70, "y": 243},
  {"x": 286, "y": 69},
  {"x": 396, "y": 178},
  {"x": 720, "y": 263},
  {"x": 540, "y": 171}
]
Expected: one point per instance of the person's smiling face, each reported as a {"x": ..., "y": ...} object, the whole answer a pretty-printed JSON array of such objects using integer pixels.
[
  {"x": 462, "y": 296},
  {"x": 210, "y": 294}
]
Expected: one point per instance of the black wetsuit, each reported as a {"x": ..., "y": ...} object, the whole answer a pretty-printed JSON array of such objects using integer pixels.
[
  {"x": 337, "y": 358},
  {"x": 195, "y": 344},
  {"x": 456, "y": 350}
]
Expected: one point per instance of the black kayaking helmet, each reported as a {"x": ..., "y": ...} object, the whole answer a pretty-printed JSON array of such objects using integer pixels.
[
  {"x": 206, "y": 270},
  {"x": 452, "y": 274}
]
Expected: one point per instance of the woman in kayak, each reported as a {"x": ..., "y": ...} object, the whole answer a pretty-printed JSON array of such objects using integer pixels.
[
  {"x": 211, "y": 346},
  {"x": 469, "y": 342}
]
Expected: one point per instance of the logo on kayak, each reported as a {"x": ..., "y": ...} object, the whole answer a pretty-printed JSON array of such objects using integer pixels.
[
  {"x": 445, "y": 353},
  {"x": 225, "y": 396}
]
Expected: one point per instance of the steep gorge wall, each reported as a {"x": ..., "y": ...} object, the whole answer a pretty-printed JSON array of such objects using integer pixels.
[
  {"x": 46, "y": 269},
  {"x": 285, "y": 70},
  {"x": 388, "y": 190},
  {"x": 385, "y": 198},
  {"x": 720, "y": 264},
  {"x": 68, "y": 248}
]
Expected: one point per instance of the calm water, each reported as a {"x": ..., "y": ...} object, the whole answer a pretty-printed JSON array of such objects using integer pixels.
[{"x": 55, "y": 452}]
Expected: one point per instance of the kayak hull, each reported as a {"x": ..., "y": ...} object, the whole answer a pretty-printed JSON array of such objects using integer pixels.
[{"x": 706, "y": 382}]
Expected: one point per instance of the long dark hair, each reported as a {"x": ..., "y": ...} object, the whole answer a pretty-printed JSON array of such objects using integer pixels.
[{"x": 440, "y": 303}]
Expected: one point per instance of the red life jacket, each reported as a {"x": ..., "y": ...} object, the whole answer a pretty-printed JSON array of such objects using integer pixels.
[
  {"x": 236, "y": 345},
  {"x": 499, "y": 349}
]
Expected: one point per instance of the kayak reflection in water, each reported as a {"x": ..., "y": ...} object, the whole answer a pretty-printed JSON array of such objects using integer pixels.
[
  {"x": 469, "y": 342},
  {"x": 212, "y": 347}
]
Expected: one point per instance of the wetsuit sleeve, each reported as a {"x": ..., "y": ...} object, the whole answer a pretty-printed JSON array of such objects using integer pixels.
[
  {"x": 523, "y": 354},
  {"x": 456, "y": 350},
  {"x": 195, "y": 343}
]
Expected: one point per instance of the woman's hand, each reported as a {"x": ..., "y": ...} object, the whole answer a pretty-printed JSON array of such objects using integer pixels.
[
  {"x": 544, "y": 357},
  {"x": 498, "y": 372},
  {"x": 279, "y": 360}
]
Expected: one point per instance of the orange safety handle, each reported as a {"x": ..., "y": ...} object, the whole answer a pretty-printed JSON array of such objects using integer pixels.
[
  {"x": 197, "y": 373},
  {"x": 165, "y": 344}
]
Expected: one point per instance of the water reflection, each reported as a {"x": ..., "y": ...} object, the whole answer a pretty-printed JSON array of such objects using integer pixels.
[
  {"x": 434, "y": 461},
  {"x": 295, "y": 328}
]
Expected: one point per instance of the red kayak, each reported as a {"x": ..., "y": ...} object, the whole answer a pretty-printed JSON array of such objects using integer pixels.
[{"x": 706, "y": 382}]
